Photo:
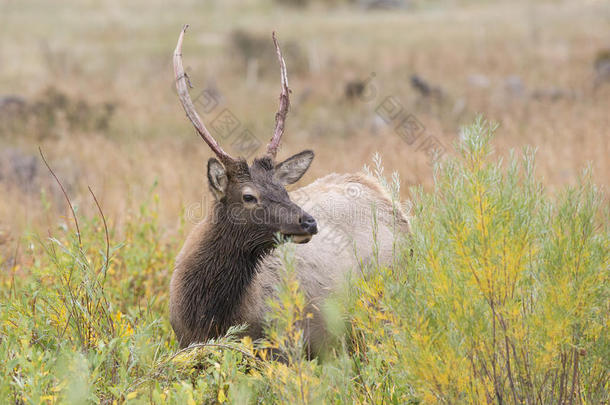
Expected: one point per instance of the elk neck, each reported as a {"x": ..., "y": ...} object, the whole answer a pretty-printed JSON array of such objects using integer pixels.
[{"x": 220, "y": 270}]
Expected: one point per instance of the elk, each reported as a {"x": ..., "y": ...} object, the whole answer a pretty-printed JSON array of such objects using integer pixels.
[{"x": 229, "y": 267}]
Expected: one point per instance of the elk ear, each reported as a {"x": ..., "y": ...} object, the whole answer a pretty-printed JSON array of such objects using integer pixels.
[
  {"x": 217, "y": 178},
  {"x": 293, "y": 168}
]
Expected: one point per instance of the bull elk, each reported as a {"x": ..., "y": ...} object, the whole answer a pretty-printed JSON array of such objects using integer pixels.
[{"x": 228, "y": 267}]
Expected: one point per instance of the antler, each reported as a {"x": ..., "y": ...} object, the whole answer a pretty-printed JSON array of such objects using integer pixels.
[
  {"x": 280, "y": 116},
  {"x": 187, "y": 103}
]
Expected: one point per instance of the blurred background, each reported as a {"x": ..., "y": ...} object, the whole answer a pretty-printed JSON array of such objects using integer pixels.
[{"x": 91, "y": 83}]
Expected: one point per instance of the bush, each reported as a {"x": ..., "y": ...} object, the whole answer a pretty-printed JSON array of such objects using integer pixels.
[
  {"x": 506, "y": 298},
  {"x": 499, "y": 296},
  {"x": 52, "y": 113}
]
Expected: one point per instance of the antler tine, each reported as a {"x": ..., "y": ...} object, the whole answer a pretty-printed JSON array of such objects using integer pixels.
[
  {"x": 187, "y": 103},
  {"x": 280, "y": 116}
]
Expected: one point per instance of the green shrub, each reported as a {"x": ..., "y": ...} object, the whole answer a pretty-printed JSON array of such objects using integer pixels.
[
  {"x": 500, "y": 295},
  {"x": 506, "y": 298}
]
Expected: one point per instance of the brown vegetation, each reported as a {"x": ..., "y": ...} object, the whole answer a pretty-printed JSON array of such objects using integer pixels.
[{"x": 497, "y": 59}]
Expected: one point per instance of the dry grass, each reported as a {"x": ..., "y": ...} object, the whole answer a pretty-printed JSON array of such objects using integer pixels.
[{"x": 105, "y": 52}]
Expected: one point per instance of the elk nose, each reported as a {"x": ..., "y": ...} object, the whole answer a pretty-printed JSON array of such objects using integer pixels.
[{"x": 308, "y": 224}]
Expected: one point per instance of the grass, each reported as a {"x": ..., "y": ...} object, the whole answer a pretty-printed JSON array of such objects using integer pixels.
[{"x": 500, "y": 294}]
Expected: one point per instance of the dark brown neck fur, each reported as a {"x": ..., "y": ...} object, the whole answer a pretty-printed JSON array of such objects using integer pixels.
[{"x": 217, "y": 274}]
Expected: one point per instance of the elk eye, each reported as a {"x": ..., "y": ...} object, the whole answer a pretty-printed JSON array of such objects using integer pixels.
[{"x": 249, "y": 198}]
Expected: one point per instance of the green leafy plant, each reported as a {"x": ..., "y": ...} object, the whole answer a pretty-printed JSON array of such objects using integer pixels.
[{"x": 500, "y": 295}]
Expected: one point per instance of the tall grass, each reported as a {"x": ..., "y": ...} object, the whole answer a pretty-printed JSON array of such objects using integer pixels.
[{"x": 500, "y": 295}]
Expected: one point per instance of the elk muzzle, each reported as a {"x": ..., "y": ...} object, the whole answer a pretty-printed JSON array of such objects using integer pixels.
[{"x": 300, "y": 228}]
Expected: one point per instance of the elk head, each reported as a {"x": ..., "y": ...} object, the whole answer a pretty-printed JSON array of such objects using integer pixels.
[{"x": 253, "y": 197}]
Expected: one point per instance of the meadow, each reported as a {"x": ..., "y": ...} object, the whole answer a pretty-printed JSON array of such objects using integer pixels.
[{"x": 500, "y": 295}]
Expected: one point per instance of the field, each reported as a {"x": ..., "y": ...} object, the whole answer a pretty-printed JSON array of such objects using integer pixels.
[{"x": 84, "y": 315}]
